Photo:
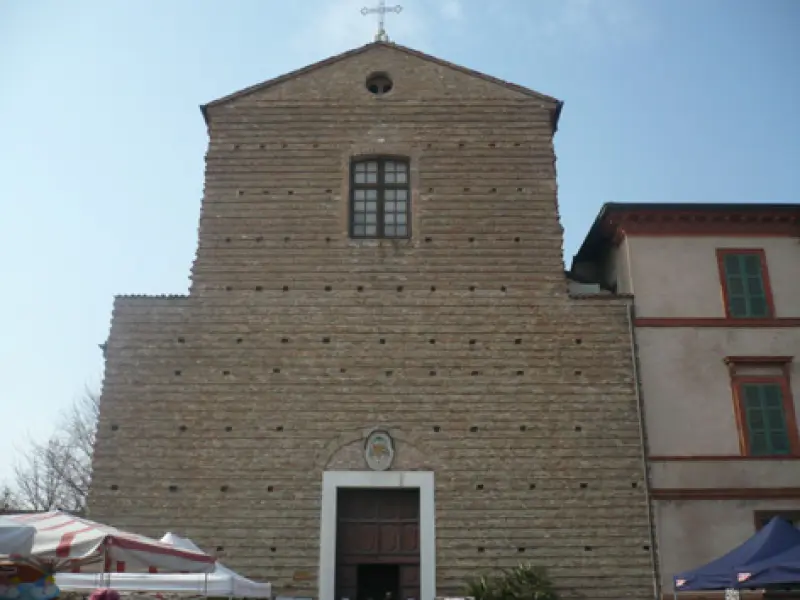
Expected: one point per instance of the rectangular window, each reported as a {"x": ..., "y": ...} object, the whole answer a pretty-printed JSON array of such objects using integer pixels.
[
  {"x": 764, "y": 405},
  {"x": 766, "y": 426},
  {"x": 745, "y": 284},
  {"x": 380, "y": 198}
]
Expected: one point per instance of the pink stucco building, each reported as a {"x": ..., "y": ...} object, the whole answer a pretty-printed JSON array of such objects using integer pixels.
[{"x": 716, "y": 323}]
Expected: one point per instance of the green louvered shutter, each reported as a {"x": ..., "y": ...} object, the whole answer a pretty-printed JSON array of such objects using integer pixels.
[
  {"x": 767, "y": 432},
  {"x": 744, "y": 280}
]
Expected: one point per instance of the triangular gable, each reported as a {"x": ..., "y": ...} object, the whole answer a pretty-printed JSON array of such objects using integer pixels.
[{"x": 555, "y": 103}]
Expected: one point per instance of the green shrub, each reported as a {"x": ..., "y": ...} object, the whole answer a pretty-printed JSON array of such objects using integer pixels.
[{"x": 524, "y": 582}]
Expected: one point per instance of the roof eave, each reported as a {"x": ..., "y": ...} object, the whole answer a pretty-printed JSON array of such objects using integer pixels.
[
  {"x": 556, "y": 115},
  {"x": 594, "y": 237},
  {"x": 598, "y": 238}
]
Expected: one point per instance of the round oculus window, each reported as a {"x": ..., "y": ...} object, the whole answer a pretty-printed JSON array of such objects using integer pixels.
[{"x": 379, "y": 84}]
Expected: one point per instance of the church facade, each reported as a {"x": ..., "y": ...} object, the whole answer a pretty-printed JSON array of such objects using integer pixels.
[{"x": 379, "y": 376}]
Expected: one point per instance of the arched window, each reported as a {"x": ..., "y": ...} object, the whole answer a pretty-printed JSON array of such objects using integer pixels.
[{"x": 380, "y": 198}]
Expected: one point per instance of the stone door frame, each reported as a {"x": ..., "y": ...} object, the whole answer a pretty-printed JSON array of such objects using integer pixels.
[{"x": 421, "y": 480}]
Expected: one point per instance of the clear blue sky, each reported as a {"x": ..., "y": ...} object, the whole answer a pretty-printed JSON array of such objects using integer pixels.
[{"x": 102, "y": 142}]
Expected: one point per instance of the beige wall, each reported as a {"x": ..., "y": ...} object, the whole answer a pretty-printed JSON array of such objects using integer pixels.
[
  {"x": 711, "y": 474},
  {"x": 618, "y": 268},
  {"x": 686, "y": 388},
  {"x": 679, "y": 276},
  {"x": 686, "y": 385},
  {"x": 692, "y": 533}
]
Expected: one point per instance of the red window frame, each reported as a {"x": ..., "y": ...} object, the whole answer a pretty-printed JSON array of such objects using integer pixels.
[
  {"x": 781, "y": 377},
  {"x": 721, "y": 254}
]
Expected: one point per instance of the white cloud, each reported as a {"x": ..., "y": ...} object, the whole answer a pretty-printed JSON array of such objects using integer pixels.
[
  {"x": 597, "y": 21},
  {"x": 338, "y": 25},
  {"x": 452, "y": 10},
  {"x": 329, "y": 27}
]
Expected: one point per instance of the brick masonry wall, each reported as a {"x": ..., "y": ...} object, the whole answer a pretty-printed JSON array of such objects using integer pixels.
[{"x": 221, "y": 410}]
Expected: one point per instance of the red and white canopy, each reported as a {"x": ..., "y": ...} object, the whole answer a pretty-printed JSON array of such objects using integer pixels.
[{"x": 63, "y": 542}]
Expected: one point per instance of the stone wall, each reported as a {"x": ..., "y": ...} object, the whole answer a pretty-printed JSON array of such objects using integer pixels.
[{"x": 221, "y": 410}]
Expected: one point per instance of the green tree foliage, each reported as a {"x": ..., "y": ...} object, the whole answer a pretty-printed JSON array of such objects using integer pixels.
[{"x": 524, "y": 582}]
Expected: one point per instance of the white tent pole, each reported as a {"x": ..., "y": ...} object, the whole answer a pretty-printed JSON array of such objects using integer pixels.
[{"x": 105, "y": 564}]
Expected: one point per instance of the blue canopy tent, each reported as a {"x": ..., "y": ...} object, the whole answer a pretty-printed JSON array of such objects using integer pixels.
[
  {"x": 775, "y": 538},
  {"x": 782, "y": 569}
]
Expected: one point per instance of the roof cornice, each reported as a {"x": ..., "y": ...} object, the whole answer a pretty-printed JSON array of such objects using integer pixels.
[{"x": 615, "y": 221}]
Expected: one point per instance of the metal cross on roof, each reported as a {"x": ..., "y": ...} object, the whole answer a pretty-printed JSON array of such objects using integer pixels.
[{"x": 381, "y": 11}]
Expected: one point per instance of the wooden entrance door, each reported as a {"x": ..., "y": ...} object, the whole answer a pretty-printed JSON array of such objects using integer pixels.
[{"x": 377, "y": 527}]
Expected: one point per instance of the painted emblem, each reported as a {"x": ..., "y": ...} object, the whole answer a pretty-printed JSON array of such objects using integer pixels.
[{"x": 379, "y": 451}]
